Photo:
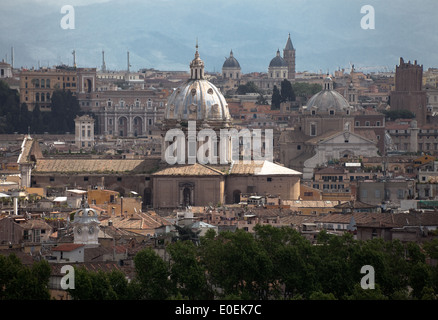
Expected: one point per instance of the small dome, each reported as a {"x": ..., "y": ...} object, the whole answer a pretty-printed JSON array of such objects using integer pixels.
[
  {"x": 231, "y": 62},
  {"x": 278, "y": 61},
  {"x": 328, "y": 100}
]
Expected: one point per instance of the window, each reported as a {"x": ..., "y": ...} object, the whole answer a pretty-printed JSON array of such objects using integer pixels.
[
  {"x": 400, "y": 193},
  {"x": 313, "y": 129},
  {"x": 269, "y": 179},
  {"x": 367, "y": 123},
  {"x": 332, "y": 112}
]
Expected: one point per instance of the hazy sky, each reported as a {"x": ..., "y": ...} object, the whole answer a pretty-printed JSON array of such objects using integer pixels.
[{"x": 161, "y": 34}]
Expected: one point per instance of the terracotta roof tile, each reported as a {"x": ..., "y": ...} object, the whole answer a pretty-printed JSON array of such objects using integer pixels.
[
  {"x": 90, "y": 165},
  {"x": 188, "y": 170},
  {"x": 67, "y": 247}
]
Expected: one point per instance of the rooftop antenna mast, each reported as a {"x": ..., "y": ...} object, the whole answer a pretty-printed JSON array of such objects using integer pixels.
[
  {"x": 129, "y": 65},
  {"x": 74, "y": 58},
  {"x": 103, "y": 62}
]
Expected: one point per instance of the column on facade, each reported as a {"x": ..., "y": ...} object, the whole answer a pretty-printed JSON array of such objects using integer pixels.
[
  {"x": 116, "y": 125},
  {"x": 105, "y": 119},
  {"x": 130, "y": 125}
]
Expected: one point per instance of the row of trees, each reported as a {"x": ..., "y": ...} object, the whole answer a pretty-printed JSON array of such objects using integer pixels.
[
  {"x": 289, "y": 92},
  {"x": 21, "y": 282},
  {"x": 275, "y": 263},
  {"x": 15, "y": 117},
  {"x": 286, "y": 92}
]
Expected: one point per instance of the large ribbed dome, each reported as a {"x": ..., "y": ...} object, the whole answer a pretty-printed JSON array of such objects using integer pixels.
[
  {"x": 328, "y": 99},
  {"x": 197, "y": 99},
  {"x": 278, "y": 61},
  {"x": 231, "y": 62}
]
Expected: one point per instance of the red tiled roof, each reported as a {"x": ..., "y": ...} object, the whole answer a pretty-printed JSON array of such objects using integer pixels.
[{"x": 67, "y": 247}]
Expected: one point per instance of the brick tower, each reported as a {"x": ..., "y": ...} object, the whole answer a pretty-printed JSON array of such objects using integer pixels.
[{"x": 409, "y": 94}]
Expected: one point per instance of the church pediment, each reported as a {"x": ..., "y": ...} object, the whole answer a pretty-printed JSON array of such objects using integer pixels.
[{"x": 346, "y": 137}]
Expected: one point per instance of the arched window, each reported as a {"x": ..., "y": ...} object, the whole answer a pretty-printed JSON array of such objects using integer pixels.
[
  {"x": 43, "y": 83},
  {"x": 37, "y": 97}
]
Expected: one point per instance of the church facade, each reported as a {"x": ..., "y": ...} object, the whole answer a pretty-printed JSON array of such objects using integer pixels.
[{"x": 325, "y": 131}]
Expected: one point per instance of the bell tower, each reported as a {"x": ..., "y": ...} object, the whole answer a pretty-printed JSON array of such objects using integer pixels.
[
  {"x": 289, "y": 57},
  {"x": 86, "y": 227}
]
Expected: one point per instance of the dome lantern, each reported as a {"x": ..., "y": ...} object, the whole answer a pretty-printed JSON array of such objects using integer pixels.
[{"x": 197, "y": 66}]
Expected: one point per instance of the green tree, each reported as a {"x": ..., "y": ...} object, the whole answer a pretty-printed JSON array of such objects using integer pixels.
[
  {"x": 249, "y": 87},
  {"x": 291, "y": 254},
  {"x": 24, "y": 119},
  {"x": 287, "y": 92},
  {"x": 431, "y": 248},
  {"x": 366, "y": 294},
  {"x": 9, "y": 108},
  {"x": 37, "y": 123},
  {"x": 152, "y": 275},
  {"x": 420, "y": 277},
  {"x": 20, "y": 282},
  {"x": 64, "y": 108},
  {"x": 306, "y": 90},
  {"x": 261, "y": 100},
  {"x": 120, "y": 285},
  {"x": 238, "y": 265},
  {"x": 276, "y": 99},
  {"x": 392, "y": 115},
  {"x": 187, "y": 273}
]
